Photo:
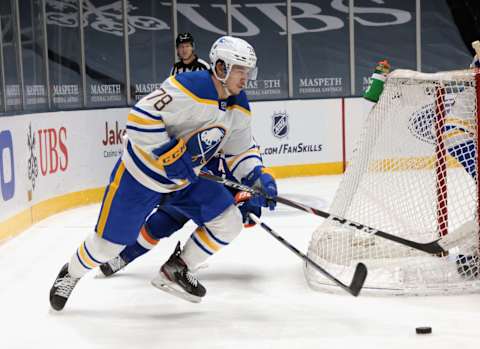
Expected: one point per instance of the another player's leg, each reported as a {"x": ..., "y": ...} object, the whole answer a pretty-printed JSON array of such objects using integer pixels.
[
  {"x": 160, "y": 224},
  {"x": 463, "y": 149},
  {"x": 461, "y": 146}
]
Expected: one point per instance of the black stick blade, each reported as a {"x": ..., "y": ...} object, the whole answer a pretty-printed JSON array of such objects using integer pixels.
[{"x": 358, "y": 279}]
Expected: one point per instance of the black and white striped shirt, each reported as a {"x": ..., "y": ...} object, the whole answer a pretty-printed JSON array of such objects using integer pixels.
[{"x": 196, "y": 64}]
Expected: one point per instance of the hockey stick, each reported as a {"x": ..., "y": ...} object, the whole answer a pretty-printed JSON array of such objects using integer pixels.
[
  {"x": 358, "y": 277},
  {"x": 432, "y": 247}
]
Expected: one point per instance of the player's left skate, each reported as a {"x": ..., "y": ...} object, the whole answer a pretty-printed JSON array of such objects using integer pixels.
[
  {"x": 112, "y": 266},
  {"x": 62, "y": 288},
  {"x": 175, "y": 278}
]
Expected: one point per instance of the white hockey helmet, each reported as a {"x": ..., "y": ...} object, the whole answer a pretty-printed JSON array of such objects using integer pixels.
[{"x": 233, "y": 51}]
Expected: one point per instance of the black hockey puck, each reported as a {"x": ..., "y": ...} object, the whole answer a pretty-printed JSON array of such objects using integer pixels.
[{"x": 423, "y": 330}]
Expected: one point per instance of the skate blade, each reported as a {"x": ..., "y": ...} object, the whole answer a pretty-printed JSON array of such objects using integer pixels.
[{"x": 172, "y": 288}]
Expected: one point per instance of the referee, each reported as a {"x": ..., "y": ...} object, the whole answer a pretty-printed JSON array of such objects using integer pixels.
[{"x": 189, "y": 61}]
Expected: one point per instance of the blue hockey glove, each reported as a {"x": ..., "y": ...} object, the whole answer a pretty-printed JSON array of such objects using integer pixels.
[
  {"x": 261, "y": 178},
  {"x": 242, "y": 199},
  {"x": 176, "y": 160}
]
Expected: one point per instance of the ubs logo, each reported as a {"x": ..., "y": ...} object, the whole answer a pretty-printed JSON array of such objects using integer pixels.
[{"x": 280, "y": 126}]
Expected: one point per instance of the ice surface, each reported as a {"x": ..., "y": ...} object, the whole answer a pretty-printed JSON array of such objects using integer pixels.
[{"x": 257, "y": 296}]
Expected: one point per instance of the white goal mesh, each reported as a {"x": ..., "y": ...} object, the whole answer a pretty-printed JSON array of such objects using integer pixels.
[{"x": 413, "y": 174}]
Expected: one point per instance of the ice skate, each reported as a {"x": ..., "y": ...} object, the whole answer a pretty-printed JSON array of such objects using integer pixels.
[
  {"x": 62, "y": 288},
  {"x": 112, "y": 266},
  {"x": 175, "y": 278}
]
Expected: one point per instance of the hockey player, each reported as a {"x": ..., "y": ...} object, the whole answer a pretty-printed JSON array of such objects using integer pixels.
[
  {"x": 171, "y": 134},
  {"x": 189, "y": 61},
  {"x": 159, "y": 223}
]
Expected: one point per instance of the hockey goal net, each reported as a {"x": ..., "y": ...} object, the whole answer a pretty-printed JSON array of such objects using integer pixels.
[{"x": 412, "y": 174}]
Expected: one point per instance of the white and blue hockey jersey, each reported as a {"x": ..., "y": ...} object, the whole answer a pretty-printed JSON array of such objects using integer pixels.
[{"x": 187, "y": 107}]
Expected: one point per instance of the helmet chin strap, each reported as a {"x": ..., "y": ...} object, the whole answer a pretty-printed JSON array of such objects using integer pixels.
[
  {"x": 223, "y": 82},
  {"x": 225, "y": 88}
]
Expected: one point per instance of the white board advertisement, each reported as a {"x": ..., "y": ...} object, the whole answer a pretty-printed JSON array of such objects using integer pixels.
[
  {"x": 298, "y": 132},
  {"x": 51, "y": 154}
]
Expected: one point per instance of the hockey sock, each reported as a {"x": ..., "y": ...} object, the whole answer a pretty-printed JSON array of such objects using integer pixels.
[
  {"x": 91, "y": 253},
  {"x": 207, "y": 240},
  {"x": 145, "y": 242}
]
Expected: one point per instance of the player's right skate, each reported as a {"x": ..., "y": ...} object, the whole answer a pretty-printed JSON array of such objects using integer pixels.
[
  {"x": 175, "y": 278},
  {"x": 62, "y": 288},
  {"x": 112, "y": 266}
]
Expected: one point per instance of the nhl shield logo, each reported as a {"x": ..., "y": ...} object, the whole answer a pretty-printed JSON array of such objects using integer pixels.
[{"x": 280, "y": 124}]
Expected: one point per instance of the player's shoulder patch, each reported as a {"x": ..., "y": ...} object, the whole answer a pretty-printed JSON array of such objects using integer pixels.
[
  {"x": 239, "y": 102},
  {"x": 197, "y": 84}
]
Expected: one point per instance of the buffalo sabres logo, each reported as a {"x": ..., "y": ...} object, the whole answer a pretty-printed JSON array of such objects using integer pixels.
[
  {"x": 280, "y": 124},
  {"x": 204, "y": 144}
]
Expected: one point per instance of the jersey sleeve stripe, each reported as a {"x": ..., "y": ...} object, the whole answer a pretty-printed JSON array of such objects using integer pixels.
[
  {"x": 236, "y": 159},
  {"x": 152, "y": 130},
  {"x": 144, "y": 157},
  {"x": 190, "y": 94},
  {"x": 246, "y": 158},
  {"x": 144, "y": 112},
  {"x": 141, "y": 121},
  {"x": 145, "y": 169}
]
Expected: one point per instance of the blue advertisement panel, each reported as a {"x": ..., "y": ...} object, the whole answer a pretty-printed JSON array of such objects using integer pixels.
[
  {"x": 9, "y": 47},
  {"x": 150, "y": 45},
  {"x": 321, "y": 65},
  {"x": 104, "y": 53},
  {"x": 64, "y": 54},
  {"x": 442, "y": 45},
  {"x": 263, "y": 23},
  {"x": 33, "y": 60},
  {"x": 205, "y": 20},
  {"x": 383, "y": 30}
]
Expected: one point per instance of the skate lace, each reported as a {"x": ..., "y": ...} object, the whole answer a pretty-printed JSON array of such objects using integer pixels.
[
  {"x": 117, "y": 263},
  {"x": 65, "y": 286},
  {"x": 191, "y": 279}
]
